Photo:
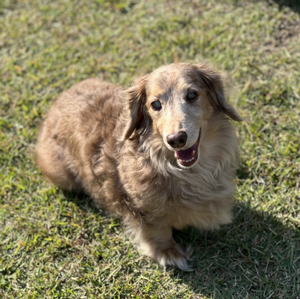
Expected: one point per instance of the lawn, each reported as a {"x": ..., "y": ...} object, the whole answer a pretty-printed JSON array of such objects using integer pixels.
[{"x": 55, "y": 244}]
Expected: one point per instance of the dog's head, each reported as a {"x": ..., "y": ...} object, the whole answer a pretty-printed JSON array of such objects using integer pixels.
[{"x": 176, "y": 103}]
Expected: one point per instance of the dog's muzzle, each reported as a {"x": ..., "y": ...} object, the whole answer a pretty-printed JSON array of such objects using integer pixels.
[{"x": 188, "y": 157}]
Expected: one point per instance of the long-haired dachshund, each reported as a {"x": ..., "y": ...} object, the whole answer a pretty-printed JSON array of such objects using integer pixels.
[{"x": 161, "y": 154}]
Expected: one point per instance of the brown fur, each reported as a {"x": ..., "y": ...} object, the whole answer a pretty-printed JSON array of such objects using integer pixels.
[{"x": 110, "y": 143}]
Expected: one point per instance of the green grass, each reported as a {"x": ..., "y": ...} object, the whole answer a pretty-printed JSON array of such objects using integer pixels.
[{"x": 57, "y": 245}]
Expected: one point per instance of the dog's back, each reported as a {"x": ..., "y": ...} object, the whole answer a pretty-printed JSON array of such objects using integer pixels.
[{"x": 77, "y": 126}]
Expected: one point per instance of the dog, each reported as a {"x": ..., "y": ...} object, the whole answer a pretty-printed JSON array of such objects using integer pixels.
[{"x": 161, "y": 154}]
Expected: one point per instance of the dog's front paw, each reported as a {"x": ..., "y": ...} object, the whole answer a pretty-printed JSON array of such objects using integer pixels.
[
  {"x": 175, "y": 256},
  {"x": 170, "y": 254}
]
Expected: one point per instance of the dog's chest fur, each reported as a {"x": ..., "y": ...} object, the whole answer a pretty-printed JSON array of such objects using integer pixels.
[{"x": 184, "y": 197}]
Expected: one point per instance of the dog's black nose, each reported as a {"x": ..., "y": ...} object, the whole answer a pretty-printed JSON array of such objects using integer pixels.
[{"x": 177, "y": 140}]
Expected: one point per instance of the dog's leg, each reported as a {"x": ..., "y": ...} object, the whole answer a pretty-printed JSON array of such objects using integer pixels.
[
  {"x": 156, "y": 241},
  {"x": 53, "y": 162}
]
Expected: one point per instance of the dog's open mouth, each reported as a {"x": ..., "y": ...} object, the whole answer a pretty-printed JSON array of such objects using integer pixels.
[{"x": 189, "y": 156}]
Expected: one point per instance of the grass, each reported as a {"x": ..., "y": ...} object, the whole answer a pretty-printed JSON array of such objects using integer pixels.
[{"x": 55, "y": 244}]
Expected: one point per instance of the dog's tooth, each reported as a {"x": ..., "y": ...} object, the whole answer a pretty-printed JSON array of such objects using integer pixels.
[
  {"x": 194, "y": 152},
  {"x": 186, "y": 161}
]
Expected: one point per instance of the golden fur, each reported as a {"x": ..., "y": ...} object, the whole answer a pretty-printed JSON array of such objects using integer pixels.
[{"x": 112, "y": 144}]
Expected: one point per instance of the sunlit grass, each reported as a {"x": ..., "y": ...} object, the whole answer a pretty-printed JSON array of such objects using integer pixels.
[{"x": 57, "y": 245}]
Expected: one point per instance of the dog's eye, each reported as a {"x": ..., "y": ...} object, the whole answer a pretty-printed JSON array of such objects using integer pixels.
[
  {"x": 191, "y": 95},
  {"x": 156, "y": 105}
]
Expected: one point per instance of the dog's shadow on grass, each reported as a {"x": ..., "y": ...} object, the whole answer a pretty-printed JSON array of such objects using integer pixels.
[
  {"x": 292, "y": 4},
  {"x": 83, "y": 201},
  {"x": 254, "y": 257}
]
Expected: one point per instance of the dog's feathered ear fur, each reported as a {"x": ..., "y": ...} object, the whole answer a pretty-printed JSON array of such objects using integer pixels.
[
  {"x": 215, "y": 90},
  {"x": 135, "y": 97}
]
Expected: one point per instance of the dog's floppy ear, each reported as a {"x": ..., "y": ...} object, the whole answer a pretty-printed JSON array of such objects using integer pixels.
[
  {"x": 136, "y": 97},
  {"x": 215, "y": 90}
]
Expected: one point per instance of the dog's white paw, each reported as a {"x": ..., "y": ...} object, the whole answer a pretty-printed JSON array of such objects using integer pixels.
[
  {"x": 172, "y": 255},
  {"x": 175, "y": 256}
]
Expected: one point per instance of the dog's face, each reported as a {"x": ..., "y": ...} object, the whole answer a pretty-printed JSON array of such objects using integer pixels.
[{"x": 179, "y": 99}]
